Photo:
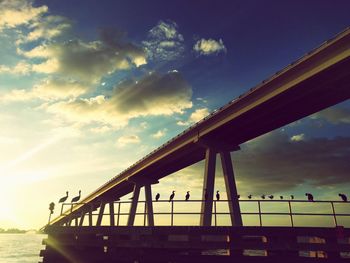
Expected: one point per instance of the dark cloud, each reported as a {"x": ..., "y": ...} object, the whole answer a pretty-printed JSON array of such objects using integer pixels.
[
  {"x": 334, "y": 115},
  {"x": 87, "y": 61},
  {"x": 275, "y": 163},
  {"x": 152, "y": 95}
]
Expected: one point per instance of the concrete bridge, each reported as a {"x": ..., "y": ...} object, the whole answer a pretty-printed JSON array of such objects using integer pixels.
[{"x": 316, "y": 81}]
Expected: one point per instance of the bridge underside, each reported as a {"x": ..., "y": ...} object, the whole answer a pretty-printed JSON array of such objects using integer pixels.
[{"x": 196, "y": 244}]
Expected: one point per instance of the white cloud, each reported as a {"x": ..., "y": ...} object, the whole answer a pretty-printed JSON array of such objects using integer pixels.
[
  {"x": 195, "y": 116},
  {"x": 101, "y": 130},
  {"x": 164, "y": 42},
  {"x": 48, "y": 89},
  {"x": 199, "y": 114},
  {"x": 152, "y": 95},
  {"x": 298, "y": 137},
  {"x": 160, "y": 133},
  {"x": 209, "y": 46},
  {"x": 48, "y": 27},
  {"x": 128, "y": 139},
  {"x": 55, "y": 88},
  {"x": 15, "y": 13},
  {"x": 144, "y": 125},
  {"x": 21, "y": 68}
]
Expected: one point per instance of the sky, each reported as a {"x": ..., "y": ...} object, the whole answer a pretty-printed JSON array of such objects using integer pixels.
[{"x": 90, "y": 87}]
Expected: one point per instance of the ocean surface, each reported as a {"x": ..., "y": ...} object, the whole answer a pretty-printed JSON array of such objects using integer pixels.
[{"x": 20, "y": 248}]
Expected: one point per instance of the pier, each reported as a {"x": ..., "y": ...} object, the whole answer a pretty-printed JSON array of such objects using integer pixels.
[{"x": 86, "y": 232}]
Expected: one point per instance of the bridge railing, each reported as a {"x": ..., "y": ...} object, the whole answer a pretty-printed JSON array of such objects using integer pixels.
[{"x": 259, "y": 209}]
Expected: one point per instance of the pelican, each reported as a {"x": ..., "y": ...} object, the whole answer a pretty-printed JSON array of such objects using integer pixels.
[
  {"x": 172, "y": 196},
  {"x": 271, "y": 197},
  {"x": 187, "y": 195},
  {"x": 343, "y": 197},
  {"x": 76, "y": 199},
  {"x": 310, "y": 197},
  {"x": 63, "y": 199},
  {"x": 157, "y": 197},
  {"x": 217, "y": 195}
]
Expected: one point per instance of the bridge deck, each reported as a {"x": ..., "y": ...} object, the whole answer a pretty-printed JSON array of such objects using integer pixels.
[{"x": 196, "y": 244}]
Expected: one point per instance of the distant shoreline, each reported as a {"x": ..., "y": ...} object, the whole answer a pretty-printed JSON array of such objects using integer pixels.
[{"x": 19, "y": 231}]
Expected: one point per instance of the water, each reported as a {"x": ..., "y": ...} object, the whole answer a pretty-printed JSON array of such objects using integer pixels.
[{"x": 20, "y": 248}]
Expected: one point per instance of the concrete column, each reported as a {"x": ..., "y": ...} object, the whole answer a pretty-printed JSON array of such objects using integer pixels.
[
  {"x": 231, "y": 190},
  {"x": 133, "y": 206},
  {"x": 208, "y": 187},
  {"x": 111, "y": 213},
  {"x": 149, "y": 205},
  {"x": 90, "y": 216},
  {"x": 82, "y": 218},
  {"x": 100, "y": 214}
]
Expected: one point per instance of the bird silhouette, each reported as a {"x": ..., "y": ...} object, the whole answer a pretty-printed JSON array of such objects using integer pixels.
[
  {"x": 343, "y": 197},
  {"x": 250, "y": 196},
  {"x": 281, "y": 197},
  {"x": 157, "y": 197},
  {"x": 76, "y": 199},
  {"x": 172, "y": 196},
  {"x": 310, "y": 197},
  {"x": 263, "y": 196},
  {"x": 217, "y": 195},
  {"x": 292, "y": 197},
  {"x": 271, "y": 197},
  {"x": 188, "y": 195},
  {"x": 64, "y": 198}
]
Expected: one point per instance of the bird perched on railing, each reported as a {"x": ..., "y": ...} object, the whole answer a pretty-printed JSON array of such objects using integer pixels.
[
  {"x": 263, "y": 196},
  {"x": 343, "y": 197},
  {"x": 157, "y": 197},
  {"x": 172, "y": 196},
  {"x": 76, "y": 199},
  {"x": 271, "y": 197},
  {"x": 281, "y": 197},
  {"x": 292, "y": 197},
  {"x": 310, "y": 197},
  {"x": 217, "y": 195},
  {"x": 250, "y": 196},
  {"x": 64, "y": 198},
  {"x": 187, "y": 195}
]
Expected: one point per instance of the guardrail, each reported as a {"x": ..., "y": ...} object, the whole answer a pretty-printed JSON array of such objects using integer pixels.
[{"x": 285, "y": 208}]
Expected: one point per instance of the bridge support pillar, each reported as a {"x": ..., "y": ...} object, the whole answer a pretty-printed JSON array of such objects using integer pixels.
[
  {"x": 82, "y": 215},
  {"x": 231, "y": 189},
  {"x": 90, "y": 216},
  {"x": 208, "y": 187},
  {"x": 111, "y": 214},
  {"x": 149, "y": 205},
  {"x": 100, "y": 214},
  {"x": 133, "y": 206}
]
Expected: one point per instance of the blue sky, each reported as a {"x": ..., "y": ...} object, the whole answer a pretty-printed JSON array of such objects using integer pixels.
[{"x": 88, "y": 88}]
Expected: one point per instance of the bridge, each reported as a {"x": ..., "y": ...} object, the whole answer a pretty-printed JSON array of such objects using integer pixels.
[{"x": 316, "y": 81}]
